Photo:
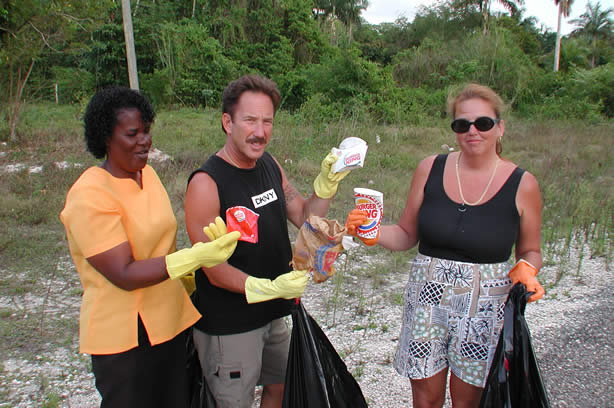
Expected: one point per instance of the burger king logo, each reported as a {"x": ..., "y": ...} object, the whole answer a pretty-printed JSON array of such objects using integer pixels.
[{"x": 374, "y": 210}]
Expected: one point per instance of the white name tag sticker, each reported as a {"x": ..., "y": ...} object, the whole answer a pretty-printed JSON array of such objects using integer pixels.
[{"x": 264, "y": 198}]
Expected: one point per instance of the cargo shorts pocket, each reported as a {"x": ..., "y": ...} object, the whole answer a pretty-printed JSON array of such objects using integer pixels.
[{"x": 226, "y": 384}]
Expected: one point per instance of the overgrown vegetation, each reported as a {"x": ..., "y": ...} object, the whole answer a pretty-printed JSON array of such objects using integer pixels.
[{"x": 328, "y": 62}]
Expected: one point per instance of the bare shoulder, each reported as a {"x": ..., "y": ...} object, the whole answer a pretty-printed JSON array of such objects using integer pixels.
[
  {"x": 528, "y": 197},
  {"x": 202, "y": 189},
  {"x": 528, "y": 183},
  {"x": 425, "y": 166},
  {"x": 427, "y": 162},
  {"x": 420, "y": 176},
  {"x": 201, "y": 205},
  {"x": 201, "y": 181}
]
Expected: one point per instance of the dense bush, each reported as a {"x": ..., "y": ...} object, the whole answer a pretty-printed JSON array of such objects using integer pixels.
[
  {"x": 193, "y": 69},
  {"x": 597, "y": 86}
]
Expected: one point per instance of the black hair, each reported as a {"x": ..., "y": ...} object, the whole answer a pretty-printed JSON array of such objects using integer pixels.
[{"x": 101, "y": 115}]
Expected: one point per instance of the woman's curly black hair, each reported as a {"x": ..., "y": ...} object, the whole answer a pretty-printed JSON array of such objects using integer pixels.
[{"x": 101, "y": 115}]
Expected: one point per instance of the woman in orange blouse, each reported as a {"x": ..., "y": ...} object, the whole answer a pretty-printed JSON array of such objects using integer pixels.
[{"x": 121, "y": 232}]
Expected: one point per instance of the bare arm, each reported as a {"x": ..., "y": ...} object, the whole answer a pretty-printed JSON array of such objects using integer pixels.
[
  {"x": 202, "y": 205},
  {"x": 404, "y": 235},
  {"x": 529, "y": 204},
  {"x": 119, "y": 267}
]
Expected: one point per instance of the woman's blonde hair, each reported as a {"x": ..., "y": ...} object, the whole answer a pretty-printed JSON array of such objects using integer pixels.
[{"x": 471, "y": 91}]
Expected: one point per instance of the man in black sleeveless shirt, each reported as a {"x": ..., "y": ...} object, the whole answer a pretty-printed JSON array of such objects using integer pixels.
[{"x": 242, "y": 338}]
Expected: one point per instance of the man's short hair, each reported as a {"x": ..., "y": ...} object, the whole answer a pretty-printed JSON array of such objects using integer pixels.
[{"x": 253, "y": 83}]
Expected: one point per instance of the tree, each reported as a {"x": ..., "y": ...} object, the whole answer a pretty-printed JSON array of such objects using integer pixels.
[
  {"x": 513, "y": 6},
  {"x": 596, "y": 24},
  {"x": 27, "y": 28},
  {"x": 564, "y": 10},
  {"x": 346, "y": 11}
]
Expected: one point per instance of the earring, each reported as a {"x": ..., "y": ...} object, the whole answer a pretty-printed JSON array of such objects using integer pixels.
[{"x": 499, "y": 146}]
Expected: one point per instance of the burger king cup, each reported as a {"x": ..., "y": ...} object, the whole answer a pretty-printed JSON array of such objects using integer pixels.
[{"x": 372, "y": 202}]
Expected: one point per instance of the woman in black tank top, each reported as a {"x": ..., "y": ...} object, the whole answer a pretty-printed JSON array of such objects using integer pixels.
[{"x": 466, "y": 211}]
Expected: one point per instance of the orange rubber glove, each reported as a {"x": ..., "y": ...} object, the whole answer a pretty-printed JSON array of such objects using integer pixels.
[
  {"x": 526, "y": 273},
  {"x": 354, "y": 220}
]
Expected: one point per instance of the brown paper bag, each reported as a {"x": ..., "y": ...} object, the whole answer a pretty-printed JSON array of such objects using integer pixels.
[{"x": 317, "y": 245}]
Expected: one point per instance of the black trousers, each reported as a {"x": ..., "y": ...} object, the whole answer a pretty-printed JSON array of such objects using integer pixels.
[{"x": 145, "y": 376}]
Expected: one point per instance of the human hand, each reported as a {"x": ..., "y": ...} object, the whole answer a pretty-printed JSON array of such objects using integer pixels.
[
  {"x": 326, "y": 183},
  {"x": 209, "y": 254},
  {"x": 526, "y": 273},
  {"x": 355, "y": 219},
  {"x": 287, "y": 286}
]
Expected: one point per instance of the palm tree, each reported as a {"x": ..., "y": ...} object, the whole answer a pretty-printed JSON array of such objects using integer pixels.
[
  {"x": 564, "y": 10},
  {"x": 346, "y": 11},
  {"x": 595, "y": 24},
  {"x": 510, "y": 5}
]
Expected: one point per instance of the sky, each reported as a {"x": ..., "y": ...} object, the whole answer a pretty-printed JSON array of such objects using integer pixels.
[{"x": 380, "y": 11}]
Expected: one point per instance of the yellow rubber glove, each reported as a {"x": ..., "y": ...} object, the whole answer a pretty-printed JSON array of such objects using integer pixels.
[
  {"x": 201, "y": 254},
  {"x": 326, "y": 183},
  {"x": 354, "y": 220},
  {"x": 189, "y": 282},
  {"x": 287, "y": 286},
  {"x": 526, "y": 273}
]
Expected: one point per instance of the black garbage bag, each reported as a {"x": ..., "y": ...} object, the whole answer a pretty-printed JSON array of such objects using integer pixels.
[
  {"x": 514, "y": 380},
  {"x": 316, "y": 377}
]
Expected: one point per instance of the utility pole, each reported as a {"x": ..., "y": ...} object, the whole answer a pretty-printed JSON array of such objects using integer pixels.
[{"x": 130, "y": 54}]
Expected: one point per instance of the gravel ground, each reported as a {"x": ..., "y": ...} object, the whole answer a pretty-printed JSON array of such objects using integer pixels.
[{"x": 360, "y": 313}]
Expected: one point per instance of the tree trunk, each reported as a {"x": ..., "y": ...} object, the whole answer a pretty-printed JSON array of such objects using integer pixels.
[
  {"x": 557, "y": 50},
  {"x": 485, "y": 13},
  {"x": 16, "y": 99}
]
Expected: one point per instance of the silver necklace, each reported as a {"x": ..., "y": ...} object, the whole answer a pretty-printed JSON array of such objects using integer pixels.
[{"x": 460, "y": 189}]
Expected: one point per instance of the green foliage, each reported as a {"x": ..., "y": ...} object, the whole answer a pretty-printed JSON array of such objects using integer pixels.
[
  {"x": 410, "y": 105},
  {"x": 345, "y": 75},
  {"x": 105, "y": 58},
  {"x": 193, "y": 70},
  {"x": 596, "y": 86},
  {"x": 327, "y": 64},
  {"x": 74, "y": 84},
  {"x": 302, "y": 31},
  {"x": 575, "y": 54},
  {"x": 344, "y": 85},
  {"x": 493, "y": 59}
]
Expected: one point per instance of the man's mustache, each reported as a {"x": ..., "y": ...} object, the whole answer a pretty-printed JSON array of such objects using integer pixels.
[{"x": 256, "y": 140}]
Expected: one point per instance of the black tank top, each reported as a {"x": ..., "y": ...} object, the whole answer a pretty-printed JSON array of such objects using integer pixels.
[
  {"x": 483, "y": 233},
  {"x": 226, "y": 312}
]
